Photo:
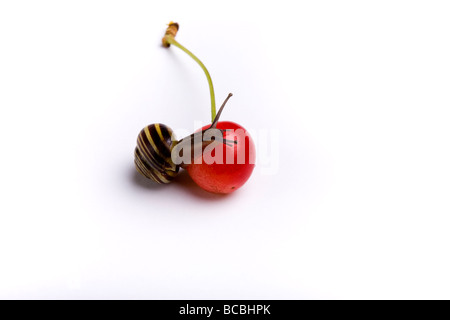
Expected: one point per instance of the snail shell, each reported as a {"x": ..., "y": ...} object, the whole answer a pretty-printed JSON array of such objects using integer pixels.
[{"x": 152, "y": 155}]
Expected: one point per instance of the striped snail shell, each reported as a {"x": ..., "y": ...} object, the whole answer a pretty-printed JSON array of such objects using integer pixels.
[{"x": 152, "y": 155}]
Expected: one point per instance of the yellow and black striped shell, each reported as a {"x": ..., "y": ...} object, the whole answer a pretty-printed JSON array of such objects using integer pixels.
[{"x": 152, "y": 155}]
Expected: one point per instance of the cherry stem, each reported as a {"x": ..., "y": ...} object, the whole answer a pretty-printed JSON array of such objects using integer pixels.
[{"x": 170, "y": 39}]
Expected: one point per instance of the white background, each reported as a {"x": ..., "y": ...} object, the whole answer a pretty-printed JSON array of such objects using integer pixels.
[{"x": 351, "y": 200}]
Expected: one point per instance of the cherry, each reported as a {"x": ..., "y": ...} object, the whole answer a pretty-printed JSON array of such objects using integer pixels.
[{"x": 233, "y": 171}]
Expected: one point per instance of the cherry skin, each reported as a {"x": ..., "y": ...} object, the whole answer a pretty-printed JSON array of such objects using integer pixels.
[{"x": 227, "y": 177}]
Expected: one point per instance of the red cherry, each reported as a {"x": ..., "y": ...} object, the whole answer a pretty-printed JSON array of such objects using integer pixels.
[{"x": 227, "y": 177}]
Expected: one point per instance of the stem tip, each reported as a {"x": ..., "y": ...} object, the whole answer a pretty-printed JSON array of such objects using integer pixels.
[{"x": 171, "y": 31}]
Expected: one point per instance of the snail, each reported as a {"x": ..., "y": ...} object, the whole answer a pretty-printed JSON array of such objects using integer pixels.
[{"x": 158, "y": 155}]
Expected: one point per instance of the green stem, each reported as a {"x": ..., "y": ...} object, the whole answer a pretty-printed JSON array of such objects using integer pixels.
[{"x": 171, "y": 40}]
